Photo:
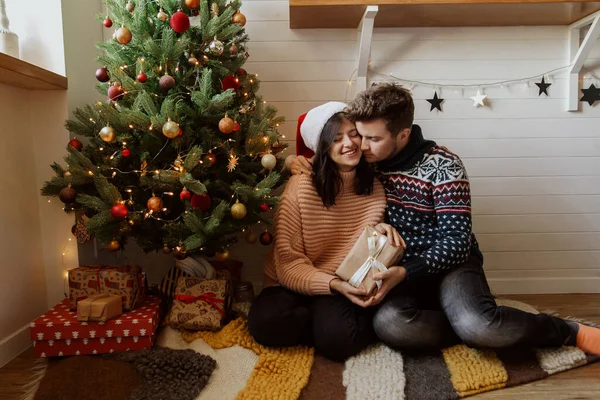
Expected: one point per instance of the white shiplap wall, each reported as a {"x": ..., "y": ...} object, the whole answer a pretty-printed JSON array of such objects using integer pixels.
[{"x": 534, "y": 167}]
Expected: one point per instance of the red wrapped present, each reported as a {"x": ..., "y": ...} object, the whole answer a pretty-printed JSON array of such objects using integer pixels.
[
  {"x": 126, "y": 281},
  {"x": 58, "y": 330}
]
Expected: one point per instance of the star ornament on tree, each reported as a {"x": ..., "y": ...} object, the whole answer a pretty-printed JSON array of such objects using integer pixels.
[
  {"x": 591, "y": 94},
  {"x": 436, "y": 102},
  {"x": 479, "y": 99},
  {"x": 543, "y": 87}
]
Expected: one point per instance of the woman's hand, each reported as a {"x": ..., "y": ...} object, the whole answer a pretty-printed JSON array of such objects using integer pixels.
[
  {"x": 391, "y": 278},
  {"x": 301, "y": 165},
  {"x": 392, "y": 234},
  {"x": 355, "y": 295}
]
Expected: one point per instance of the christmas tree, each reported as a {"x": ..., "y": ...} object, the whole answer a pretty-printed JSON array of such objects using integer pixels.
[{"x": 181, "y": 155}]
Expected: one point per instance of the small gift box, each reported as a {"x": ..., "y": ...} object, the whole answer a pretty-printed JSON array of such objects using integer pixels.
[
  {"x": 371, "y": 253},
  {"x": 200, "y": 304},
  {"x": 126, "y": 281},
  {"x": 99, "y": 307}
]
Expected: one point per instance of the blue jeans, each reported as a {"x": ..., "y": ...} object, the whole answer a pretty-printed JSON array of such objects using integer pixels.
[{"x": 458, "y": 307}]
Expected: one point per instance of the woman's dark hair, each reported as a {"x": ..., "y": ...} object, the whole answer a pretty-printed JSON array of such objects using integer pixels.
[{"x": 326, "y": 177}]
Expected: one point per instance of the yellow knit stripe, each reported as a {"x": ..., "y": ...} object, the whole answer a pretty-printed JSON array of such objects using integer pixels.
[
  {"x": 474, "y": 371},
  {"x": 280, "y": 373}
]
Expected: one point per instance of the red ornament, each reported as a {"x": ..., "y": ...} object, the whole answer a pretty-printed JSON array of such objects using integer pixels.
[
  {"x": 264, "y": 207},
  {"x": 75, "y": 143},
  {"x": 236, "y": 127},
  {"x": 210, "y": 159},
  {"x": 241, "y": 72},
  {"x": 185, "y": 195},
  {"x": 180, "y": 22},
  {"x": 107, "y": 22},
  {"x": 201, "y": 202},
  {"x": 102, "y": 74},
  {"x": 142, "y": 78},
  {"x": 74, "y": 230},
  {"x": 67, "y": 195},
  {"x": 119, "y": 212},
  {"x": 230, "y": 82},
  {"x": 115, "y": 93},
  {"x": 125, "y": 152},
  {"x": 180, "y": 132},
  {"x": 266, "y": 238}
]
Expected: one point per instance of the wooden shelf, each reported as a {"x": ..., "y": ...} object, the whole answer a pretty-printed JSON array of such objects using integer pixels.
[
  {"x": 19, "y": 73},
  {"x": 415, "y": 13}
]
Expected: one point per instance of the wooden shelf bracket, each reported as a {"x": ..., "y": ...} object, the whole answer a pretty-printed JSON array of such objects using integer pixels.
[
  {"x": 578, "y": 54},
  {"x": 365, "y": 32}
]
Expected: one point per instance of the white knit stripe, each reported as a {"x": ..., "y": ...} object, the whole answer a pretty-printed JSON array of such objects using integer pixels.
[
  {"x": 234, "y": 365},
  {"x": 558, "y": 359},
  {"x": 376, "y": 373}
]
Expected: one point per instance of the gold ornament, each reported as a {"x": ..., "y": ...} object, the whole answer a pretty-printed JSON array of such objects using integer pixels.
[
  {"x": 238, "y": 210},
  {"x": 222, "y": 256},
  {"x": 226, "y": 125},
  {"x": 108, "y": 134},
  {"x": 233, "y": 50},
  {"x": 268, "y": 161},
  {"x": 154, "y": 204},
  {"x": 251, "y": 237},
  {"x": 192, "y": 4},
  {"x": 124, "y": 35},
  {"x": 239, "y": 18},
  {"x": 216, "y": 47},
  {"x": 162, "y": 16},
  {"x": 233, "y": 162},
  {"x": 170, "y": 129},
  {"x": 193, "y": 60},
  {"x": 180, "y": 252},
  {"x": 114, "y": 245},
  {"x": 214, "y": 9},
  {"x": 166, "y": 249},
  {"x": 67, "y": 174}
]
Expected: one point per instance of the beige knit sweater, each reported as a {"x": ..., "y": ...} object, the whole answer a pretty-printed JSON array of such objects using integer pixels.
[{"x": 311, "y": 241}]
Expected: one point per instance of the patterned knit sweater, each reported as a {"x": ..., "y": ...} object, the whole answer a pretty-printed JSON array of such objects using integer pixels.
[
  {"x": 429, "y": 203},
  {"x": 311, "y": 241}
]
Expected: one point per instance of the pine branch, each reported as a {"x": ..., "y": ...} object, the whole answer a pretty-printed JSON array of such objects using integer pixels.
[
  {"x": 92, "y": 202},
  {"x": 215, "y": 219},
  {"x": 108, "y": 192},
  {"x": 188, "y": 181},
  {"x": 58, "y": 170},
  {"x": 193, "y": 158},
  {"x": 99, "y": 220},
  {"x": 194, "y": 242},
  {"x": 193, "y": 223}
]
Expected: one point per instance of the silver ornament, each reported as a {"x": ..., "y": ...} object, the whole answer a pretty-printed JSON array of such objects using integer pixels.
[{"x": 216, "y": 47}]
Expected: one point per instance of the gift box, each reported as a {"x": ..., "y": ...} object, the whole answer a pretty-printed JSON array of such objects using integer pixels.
[
  {"x": 168, "y": 284},
  {"x": 371, "y": 253},
  {"x": 99, "y": 307},
  {"x": 58, "y": 332},
  {"x": 200, "y": 304},
  {"x": 126, "y": 281}
]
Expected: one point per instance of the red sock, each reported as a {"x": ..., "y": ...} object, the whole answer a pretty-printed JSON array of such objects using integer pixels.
[{"x": 588, "y": 339}]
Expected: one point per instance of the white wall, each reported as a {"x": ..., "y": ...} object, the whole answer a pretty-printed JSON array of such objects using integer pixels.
[{"x": 534, "y": 167}]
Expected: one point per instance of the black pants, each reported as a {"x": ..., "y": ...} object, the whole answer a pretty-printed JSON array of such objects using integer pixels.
[
  {"x": 458, "y": 307},
  {"x": 336, "y": 327}
]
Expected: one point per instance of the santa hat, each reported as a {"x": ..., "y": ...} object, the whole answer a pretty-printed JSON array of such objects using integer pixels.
[{"x": 310, "y": 126}]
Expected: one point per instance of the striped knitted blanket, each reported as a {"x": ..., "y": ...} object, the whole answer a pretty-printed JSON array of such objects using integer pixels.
[{"x": 247, "y": 370}]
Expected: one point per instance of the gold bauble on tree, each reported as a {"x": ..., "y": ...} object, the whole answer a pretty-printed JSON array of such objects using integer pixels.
[
  {"x": 154, "y": 204},
  {"x": 162, "y": 16},
  {"x": 114, "y": 245},
  {"x": 238, "y": 210},
  {"x": 192, "y": 4},
  {"x": 171, "y": 129},
  {"x": 251, "y": 237},
  {"x": 222, "y": 256},
  {"x": 166, "y": 249},
  {"x": 123, "y": 35},
  {"x": 239, "y": 18},
  {"x": 226, "y": 125},
  {"x": 108, "y": 134}
]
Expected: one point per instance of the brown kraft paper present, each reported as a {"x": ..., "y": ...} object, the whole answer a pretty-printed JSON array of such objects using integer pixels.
[
  {"x": 359, "y": 256},
  {"x": 124, "y": 280},
  {"x": 200, "y": 304},
  {"x": 100, "y": 307}
]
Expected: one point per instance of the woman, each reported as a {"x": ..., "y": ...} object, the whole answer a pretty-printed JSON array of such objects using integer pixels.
[{"x": 318, "y": 220}]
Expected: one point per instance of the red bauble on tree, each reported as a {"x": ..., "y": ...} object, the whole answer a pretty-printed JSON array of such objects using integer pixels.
[
  {"x": 180, "y": 22},
  {"x": 201, "y": 202},
  {"x": 185, "y": 195},
  {"x": 119, "y": 212},
  {"x": 67, "y": 195},
  {"x": 264, "y": 207},
  {"x": 125, "y": 152},
  {"x": 230, "y": 82},
  {"x": 102, "y": 74},
  {"x": 115, "y": 93},
  {"x": 76, "y": 144},
  {"x": 210, "y": 159},
  {"x": 236, "y": 127},
  {"x": 266, "y": 238},
  {"x": 241, "y": 72},
  {"x": 142, "y": 77},
  {"x": 107, "y": 22}
]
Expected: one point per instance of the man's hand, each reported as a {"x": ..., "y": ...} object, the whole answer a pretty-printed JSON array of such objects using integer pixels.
[
  {"x": 392, "y": 234},
  {"x": 391, "y": 278},
  {"x": 301, "y": 165},
  {"x": 355, "y": 295}
]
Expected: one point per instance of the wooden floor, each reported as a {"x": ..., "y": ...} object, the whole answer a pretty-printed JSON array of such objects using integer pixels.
[{"x": 582, "y": 383}]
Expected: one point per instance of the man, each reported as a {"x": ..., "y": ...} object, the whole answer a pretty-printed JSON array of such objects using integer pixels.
[{"x": 439, "y": 294}]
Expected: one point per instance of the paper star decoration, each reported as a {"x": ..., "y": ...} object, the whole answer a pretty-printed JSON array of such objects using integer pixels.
[
  {"x": 436, "y": 102},
  {"x": 233, "y": 162},
  {"x": 478, "y": 99},
  {"x": 543, "y": 87},
  {"x": 591, "y": 94}
]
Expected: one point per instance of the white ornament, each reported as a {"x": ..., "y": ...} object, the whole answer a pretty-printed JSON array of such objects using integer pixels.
[
  {"x": 9, "y": 41},
  {"x": 288, "y": 162},
  {"x": 268, "y": 161},
  {"x": 478, "y": 99}
]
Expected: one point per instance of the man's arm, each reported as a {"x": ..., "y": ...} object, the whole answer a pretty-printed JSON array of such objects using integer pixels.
[{"x": 302, "y": 165}]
